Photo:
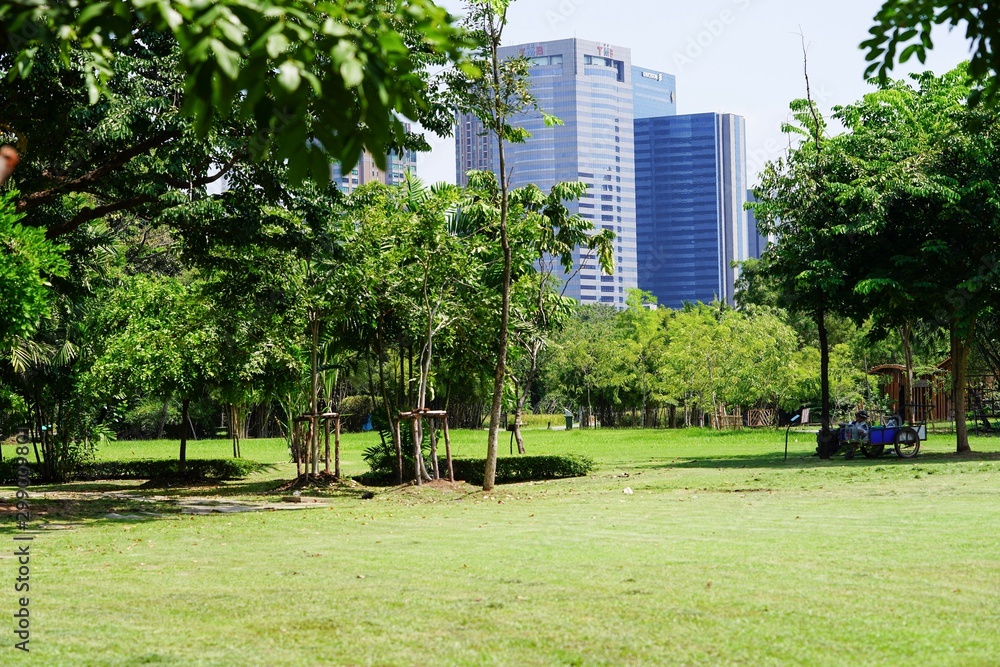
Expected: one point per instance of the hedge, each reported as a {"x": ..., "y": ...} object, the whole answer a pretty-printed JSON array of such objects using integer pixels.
[
  {"x": 207, "y": 469},
  {"x": 511, "y": 470}
]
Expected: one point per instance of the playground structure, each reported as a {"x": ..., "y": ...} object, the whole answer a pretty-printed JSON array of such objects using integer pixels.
[{"x": 928, "y": 400}]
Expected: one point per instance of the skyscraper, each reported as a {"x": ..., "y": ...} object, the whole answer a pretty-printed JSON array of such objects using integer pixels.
[
  {"x": 654, "y": 93},
  {"x": 672, "y": 188},
  {"x": 396, "y": 167},
  {"x": 589, "y": 86},
  {"x": 757, "y": 242},
  {"x": 690, "y": 189}
]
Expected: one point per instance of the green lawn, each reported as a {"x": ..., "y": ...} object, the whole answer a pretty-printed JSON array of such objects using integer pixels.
[{"x": 722, "y": 555}]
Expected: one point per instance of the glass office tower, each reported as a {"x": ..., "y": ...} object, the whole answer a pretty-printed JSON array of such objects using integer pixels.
[
  {"x": 589, "y": 86},
  {"x": 654, "y": 93},
  {"x": 691, "y": 186},
  {"x": 757, "y": 242}
]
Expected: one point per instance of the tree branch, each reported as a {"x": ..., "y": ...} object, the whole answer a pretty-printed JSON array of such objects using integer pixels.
[
  {"x": 205, "y": 180},
  {"x": 83, "y": 182},
  {"x": 92, "y": 213}
]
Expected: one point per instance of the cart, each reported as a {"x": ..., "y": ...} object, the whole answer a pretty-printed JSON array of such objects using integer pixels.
[{"x": 904, "y": 439}]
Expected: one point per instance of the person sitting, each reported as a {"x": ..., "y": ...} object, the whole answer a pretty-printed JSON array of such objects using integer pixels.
[{"x": 859, "y": 433}]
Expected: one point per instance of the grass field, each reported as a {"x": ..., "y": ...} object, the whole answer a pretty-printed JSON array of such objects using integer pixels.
[{"x": 722, "y": 555}]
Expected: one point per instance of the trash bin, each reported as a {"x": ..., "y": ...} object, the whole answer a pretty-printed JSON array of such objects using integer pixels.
[{"x": 569, "y": 420}]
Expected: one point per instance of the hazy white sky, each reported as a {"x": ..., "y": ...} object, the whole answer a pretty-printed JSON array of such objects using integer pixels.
[{"x": 736, "y": 56}]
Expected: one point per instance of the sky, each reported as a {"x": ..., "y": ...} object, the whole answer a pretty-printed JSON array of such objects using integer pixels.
[{"x": 733, "y": 56}]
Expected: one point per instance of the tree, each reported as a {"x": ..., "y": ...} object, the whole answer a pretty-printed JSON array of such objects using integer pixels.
[
  {"x": 27, "y": 261},
  {"x": 758, "y": 348},
  {"x": 797, "y": 201},
  {"x": 312, "y": 81},
  {"x": 646, "y": 342},
  {"x": 442, "y": 272},
  {"x": 939, "y": 222},
  {"x": 903, "y": 29},
  {"x": 539, "y": 305},
  {"x": 909, "y": 218},
  {"x": 501, "y": 93},
  {"x": 587, "y": 363},
  {"x": 159, "y": 337}
]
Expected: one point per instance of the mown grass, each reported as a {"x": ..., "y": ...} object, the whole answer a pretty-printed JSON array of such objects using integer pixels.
[{"x": 723, "y": 554}]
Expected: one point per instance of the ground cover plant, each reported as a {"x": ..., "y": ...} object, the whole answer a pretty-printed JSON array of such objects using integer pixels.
[{"x": 721, "y": 554}]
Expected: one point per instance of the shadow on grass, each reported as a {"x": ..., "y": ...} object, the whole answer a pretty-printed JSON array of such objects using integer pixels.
[
  {"x": 798, "y": 461},
  {"x": 62, "y": 506}
]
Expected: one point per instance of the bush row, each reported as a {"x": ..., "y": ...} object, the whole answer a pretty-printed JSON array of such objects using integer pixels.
[
  {"x": 208, "y": 469},
  {"x": 523, "y": 468},
  {"x": 509, "y": 470}
]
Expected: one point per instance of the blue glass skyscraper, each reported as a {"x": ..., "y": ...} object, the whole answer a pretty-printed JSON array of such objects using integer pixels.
[
  {"x": 654, "y": 93},
  {"x": 757, "y": 242},
  {"x": 690, "y": 193}
]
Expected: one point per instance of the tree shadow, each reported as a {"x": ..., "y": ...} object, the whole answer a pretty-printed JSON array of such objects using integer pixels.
[
  {"x": 775, "y": 460},
  {"x": 74, "y": 504}
]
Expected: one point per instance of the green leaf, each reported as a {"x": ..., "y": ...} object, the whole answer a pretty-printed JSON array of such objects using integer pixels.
[{"x": 289, "y": 76}]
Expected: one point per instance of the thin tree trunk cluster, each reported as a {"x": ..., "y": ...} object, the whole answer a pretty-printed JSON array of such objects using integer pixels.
[{"x": 416, "y": 418}]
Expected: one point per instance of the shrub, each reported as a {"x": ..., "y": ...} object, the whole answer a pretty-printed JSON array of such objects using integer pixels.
[
  {"x": 511, "y": 470},
  {"x": 197, "y": 469}
]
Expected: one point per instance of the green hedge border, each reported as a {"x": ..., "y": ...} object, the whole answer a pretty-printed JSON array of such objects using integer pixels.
[
  {"x": 510, "y": 470},
  {"x": 207, "y": 469}
]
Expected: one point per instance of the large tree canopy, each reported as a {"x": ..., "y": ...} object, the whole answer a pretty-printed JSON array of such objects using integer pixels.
[
  {"x": 903, "y": 30},
  {"x": 312, "y": 80}
]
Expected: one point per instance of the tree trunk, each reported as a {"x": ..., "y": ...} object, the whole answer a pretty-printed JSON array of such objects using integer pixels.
[
  {"x": 825, "y": 439},
  {"x": 517, "y": 431},
  {"x": 296, "y": 433},
  {"x": 233, "y": 432},
  {"x": 960, "y": 345},
  {"x": 314, "y": 394},
  {"x": 398, "y": 436},
  {"x": 386, "y": 404},
  {"x": 182, "y": 464},
  {"x": 409, "y": 377},
  {"x": 906, "y": 334},
  {"x": 163, "y": 418},
  {"x": 499, "y": 119}
]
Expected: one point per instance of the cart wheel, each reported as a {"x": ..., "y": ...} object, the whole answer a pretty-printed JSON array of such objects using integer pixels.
[
  {"x": 907, "y": 443},
  {"x": 872, "y": 451}
]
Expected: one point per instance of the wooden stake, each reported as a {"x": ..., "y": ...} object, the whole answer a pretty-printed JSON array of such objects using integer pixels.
[
  {"x": 434, "y": 449},
  {"x": 336, "y": 457},
  {"x": 447, "y": 449},
  {"x": 326, "y": 437},
  {"x": 399, "y": 451},
  {"x": 416, "y": 451}
]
